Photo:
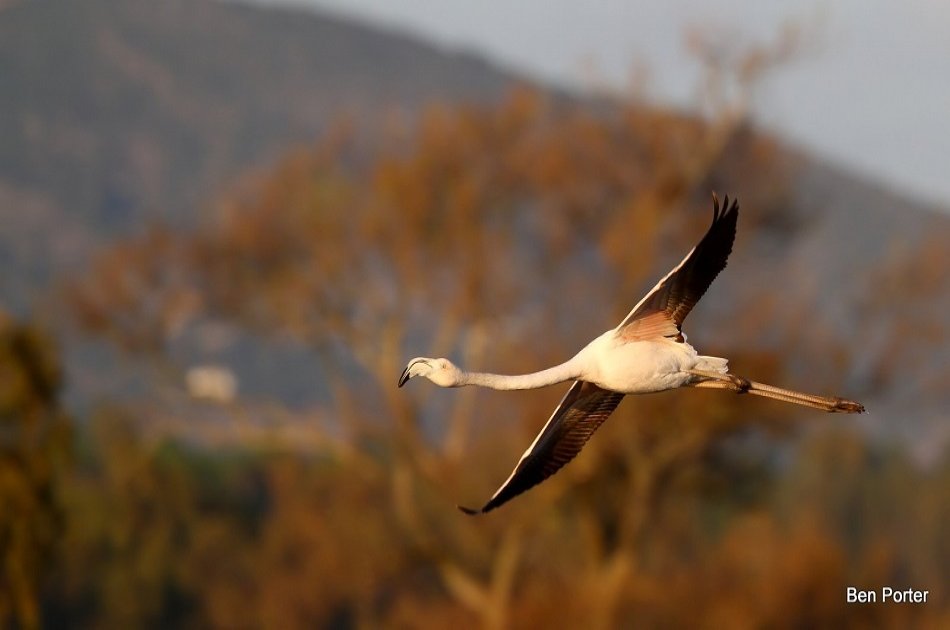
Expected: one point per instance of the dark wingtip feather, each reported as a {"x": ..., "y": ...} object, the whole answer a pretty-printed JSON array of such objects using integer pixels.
[{"x": 721, "y": 211}]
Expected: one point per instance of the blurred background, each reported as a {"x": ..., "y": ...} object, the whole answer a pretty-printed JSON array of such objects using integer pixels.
[{"x": 225, "y": 227}]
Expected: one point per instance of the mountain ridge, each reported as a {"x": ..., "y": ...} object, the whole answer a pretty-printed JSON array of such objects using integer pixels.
[{"x": 131, "y": 112}]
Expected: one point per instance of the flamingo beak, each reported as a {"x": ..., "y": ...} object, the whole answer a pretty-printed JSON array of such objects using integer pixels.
[{"x": 404, "y": 377}]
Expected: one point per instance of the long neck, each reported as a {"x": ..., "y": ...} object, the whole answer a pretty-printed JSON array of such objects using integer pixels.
[{"x": 567, "y": 371}]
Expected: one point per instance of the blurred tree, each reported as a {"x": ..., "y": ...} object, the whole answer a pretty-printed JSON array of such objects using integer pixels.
[{"x": 35, "y": 442}]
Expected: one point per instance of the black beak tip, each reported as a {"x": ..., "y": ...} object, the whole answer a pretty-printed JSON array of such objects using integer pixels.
[
  {"x": 468, "y": 510},
  {"x": 403, "y": 377}
]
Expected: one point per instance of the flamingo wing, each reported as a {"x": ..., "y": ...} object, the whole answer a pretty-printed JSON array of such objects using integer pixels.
[
  {"x": 582, "y": 410},
  {"x": 662, "y": 311}
]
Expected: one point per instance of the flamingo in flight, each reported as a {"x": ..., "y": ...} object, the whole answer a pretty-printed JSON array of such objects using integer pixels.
[{"x": 646, "y": 353}]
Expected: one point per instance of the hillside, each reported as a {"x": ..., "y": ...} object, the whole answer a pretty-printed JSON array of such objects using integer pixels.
[{"x": 129, "y": 112}]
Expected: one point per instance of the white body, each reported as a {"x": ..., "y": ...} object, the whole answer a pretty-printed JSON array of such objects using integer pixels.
[{"x": 642, "y": 367}]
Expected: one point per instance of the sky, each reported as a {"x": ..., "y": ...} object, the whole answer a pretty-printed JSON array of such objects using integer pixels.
[{"x": 869, "y": 90}]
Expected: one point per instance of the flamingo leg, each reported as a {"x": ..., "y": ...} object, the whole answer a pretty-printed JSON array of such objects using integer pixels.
[{"x": 739, "y": 385}]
